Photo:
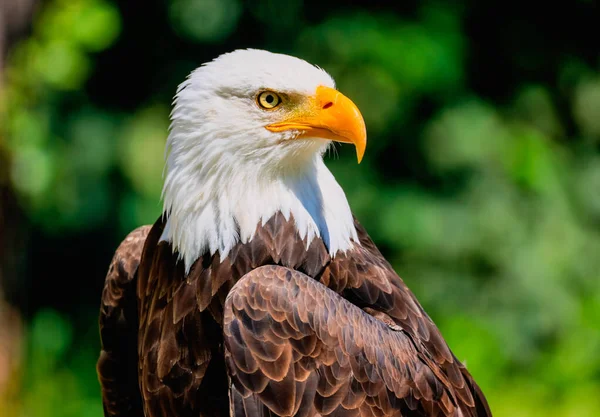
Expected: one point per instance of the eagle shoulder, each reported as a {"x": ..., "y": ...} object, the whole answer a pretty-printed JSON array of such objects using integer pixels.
[
  {"x": 118, "y": 329},
  {"x": 364, "y": 277},
  {"x": 295, "y": 347}
]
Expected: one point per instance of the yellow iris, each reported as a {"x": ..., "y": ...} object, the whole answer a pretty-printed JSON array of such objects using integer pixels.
[{"x": 268, "y": 100}]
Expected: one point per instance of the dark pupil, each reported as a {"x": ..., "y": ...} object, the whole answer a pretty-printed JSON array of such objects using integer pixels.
[{"x": 270, "y": 99}]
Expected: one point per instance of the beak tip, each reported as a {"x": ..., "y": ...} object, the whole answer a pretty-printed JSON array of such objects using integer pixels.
[{"x": 360, "y": 151}]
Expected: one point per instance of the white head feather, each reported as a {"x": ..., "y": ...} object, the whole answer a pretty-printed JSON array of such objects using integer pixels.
[{"x": 226, "y": 173}]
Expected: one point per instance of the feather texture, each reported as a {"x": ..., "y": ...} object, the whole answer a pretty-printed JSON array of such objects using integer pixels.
[
  {"x": 118, "y": 330},
  {"x": 296, "y": 331}
]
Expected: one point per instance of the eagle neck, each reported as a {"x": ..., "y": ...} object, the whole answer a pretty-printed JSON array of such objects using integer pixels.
[{"x": 223, "y": 206}]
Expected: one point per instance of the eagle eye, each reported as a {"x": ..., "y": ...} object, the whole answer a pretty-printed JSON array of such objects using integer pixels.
[{"x": 268, "y": 100}]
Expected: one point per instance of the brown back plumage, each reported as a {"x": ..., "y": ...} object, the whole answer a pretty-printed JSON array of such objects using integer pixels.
[{"x": 362, "y": 347}]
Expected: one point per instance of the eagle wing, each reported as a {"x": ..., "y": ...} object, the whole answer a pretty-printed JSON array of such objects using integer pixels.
[
  {"x": 116, "y": 367},
  {"x": 364, "y": 277},
  {"x": 294, "y": 347}
]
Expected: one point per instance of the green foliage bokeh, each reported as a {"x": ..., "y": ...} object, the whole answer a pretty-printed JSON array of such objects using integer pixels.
[{"x": 487, "y": 204}]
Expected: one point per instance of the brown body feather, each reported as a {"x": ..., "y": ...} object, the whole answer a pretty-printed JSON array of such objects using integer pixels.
[
  {"x": 116, "y": 366},
  {"x": 307, "y": 335}
]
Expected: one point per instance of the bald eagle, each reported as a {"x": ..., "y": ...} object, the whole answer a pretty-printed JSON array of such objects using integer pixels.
[{"x": 257, "y": 292}]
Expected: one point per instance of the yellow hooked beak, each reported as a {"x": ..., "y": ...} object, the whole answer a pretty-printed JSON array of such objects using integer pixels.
[{"x": 329, "y": 115}]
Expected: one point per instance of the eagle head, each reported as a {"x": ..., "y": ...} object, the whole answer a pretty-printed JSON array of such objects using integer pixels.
[
  {"x": 247, "y": 135},
  {"x": 264, "y": 108}
]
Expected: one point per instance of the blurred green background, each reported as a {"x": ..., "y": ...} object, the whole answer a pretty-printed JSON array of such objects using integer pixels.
[{"x": 481, "y": 181}]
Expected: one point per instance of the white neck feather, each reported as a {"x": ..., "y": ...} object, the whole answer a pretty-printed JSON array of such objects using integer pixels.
[{"x": 213, "y": 204}]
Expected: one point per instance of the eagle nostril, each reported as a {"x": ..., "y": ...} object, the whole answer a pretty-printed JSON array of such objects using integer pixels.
[{"x": 328, "y": 105}]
